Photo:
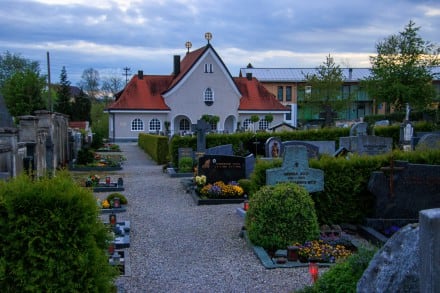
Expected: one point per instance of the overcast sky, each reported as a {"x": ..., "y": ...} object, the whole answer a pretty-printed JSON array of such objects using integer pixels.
[{"x": 108, "y": 35}]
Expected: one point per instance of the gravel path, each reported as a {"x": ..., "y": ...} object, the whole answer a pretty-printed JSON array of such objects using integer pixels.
[{"x": 177, "y": 246}]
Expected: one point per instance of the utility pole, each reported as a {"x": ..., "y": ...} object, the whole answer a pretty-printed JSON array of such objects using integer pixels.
[
  {"x": 126, "y": 69},
  {"x": 48, "y": 82}
]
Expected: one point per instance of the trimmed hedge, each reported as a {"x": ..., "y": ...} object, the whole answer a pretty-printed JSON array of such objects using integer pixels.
[
  {"x": 345, "y": 198},
  {"x": 52, "y": 238},
  {"x": 154, "y": 145}
]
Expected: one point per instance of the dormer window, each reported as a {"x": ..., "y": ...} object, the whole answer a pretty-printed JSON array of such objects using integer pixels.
[
  {"x": 208, "y": 97},
  {"x": 208, "y": 68}
]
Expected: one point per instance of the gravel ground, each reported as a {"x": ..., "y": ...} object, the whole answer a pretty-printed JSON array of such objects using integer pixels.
[{"x": 177, "y": 246}]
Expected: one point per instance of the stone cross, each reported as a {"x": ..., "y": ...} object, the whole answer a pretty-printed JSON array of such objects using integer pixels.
[{"x": 201, "y": 127}]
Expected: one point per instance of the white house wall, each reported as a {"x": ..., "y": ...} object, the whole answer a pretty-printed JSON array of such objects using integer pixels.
[
  {"x": 187, "y": 99},
  {"x": 122, "y": 121}
]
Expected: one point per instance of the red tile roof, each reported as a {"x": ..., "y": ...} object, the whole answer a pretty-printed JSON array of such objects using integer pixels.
[
  {"x": 188, "y": 61},
  {"x": 146, "y": 93},
  {"x": 143, "y": 94},
  {"x": 256, "y": 97},
  {"x": 79, "y": 124}
]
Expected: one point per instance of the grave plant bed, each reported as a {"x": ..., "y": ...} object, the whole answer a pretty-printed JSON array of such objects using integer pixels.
[
  {"x": 189, "y": 188},
  {"x": 85, "y": 168},
  {"x": 274, "y": 262}
]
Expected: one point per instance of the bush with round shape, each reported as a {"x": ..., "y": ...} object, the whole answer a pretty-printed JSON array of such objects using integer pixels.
[
  {"x": 280, "y": 215},
  {"x": 52, "y": 237}
]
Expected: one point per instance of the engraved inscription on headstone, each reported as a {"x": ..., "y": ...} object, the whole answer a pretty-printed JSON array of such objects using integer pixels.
[
  {"x": 296, "y": 169},
  {"x": 222, "y": 168}
]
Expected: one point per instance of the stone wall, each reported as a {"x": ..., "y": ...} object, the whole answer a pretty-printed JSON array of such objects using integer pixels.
[{"x": 41, "y": 144}]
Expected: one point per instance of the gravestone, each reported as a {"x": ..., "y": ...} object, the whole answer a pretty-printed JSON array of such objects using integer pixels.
[
  {"x": 404, "y": 189},
  {"x": 296, "y": 169},
  {"x": 429, "y": 141},
  {"x": 273, "y": 147},
  {"x": 365, "y": 144},
  {"x": 185, "y": 153},
  {"x": 201, "y": 128},
  {"x": 312, "y": 150},
  {"x": 225, "y": 149},
  {"x": 359, "y": 128},
  {"x": 222, "y": 168}
]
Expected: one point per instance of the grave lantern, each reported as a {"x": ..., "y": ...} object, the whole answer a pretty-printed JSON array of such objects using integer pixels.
[
  {"x": 107, "y": 180},
  {"x": 111, "y": 248},
  {"x": 116, "y": 202},
  {"x": 112, "y": 219},
  {"x": 292, "y": 253},
  {"x": 313, "y": 270},
  {"x": 245, "y": 203}
]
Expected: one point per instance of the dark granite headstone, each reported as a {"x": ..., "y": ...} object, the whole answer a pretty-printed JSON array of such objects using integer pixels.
[
  {"x": 225, "y": 149},
  {"x": 404, "y": 189},
  {"x": 222, "y": 168},
  {"x": 296, "y": 169},
  {"x": 312, "y": 150}
]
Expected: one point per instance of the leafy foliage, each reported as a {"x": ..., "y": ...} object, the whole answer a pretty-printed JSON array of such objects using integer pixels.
[
  {"x": 186, "y": 164},
  {"x": 23, "y": 93},
  {"x": 343, "y": 277},
  {"x": 326, "y": 86},
  {"x": 401, "y": 70},
  {"x": 52, "y": 238},
  {"x": 280, "y": 215}
]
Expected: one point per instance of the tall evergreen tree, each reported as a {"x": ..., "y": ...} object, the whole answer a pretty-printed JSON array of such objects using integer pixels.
[
  {"x": 401, "y": 70},
  {"x": 81, "y": 108},
  {"x": 63, "y": 103}
]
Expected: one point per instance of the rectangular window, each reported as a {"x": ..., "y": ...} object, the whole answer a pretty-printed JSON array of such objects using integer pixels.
[
  {"x": 280, "y": 93},
  {"x": 308, "y": 91},
  {"x": 208, "y": 68},
  {"x": 288, "y": 93},
  {"x": 288, "y": 116}
]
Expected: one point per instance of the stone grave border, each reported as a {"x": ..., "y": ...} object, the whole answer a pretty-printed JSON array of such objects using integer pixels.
[
  {"x": 91, "y": 168},
  {"x": 270, "y": 263}
]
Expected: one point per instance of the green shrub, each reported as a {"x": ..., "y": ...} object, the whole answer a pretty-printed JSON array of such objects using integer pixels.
[
  {"x": 246, "y": 185},
  {"x": 85, "y": 156},
  {"x": 52, "y": 238},
  {"x": 121, "y": 197},
  {"x": 343, "y": 277},
  {"x": 186, "y": 165},
  {"x": 280, "y": 215}
]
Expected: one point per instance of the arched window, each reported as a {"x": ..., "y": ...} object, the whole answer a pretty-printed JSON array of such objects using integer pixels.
[
  {"x": 184, "y": 124},
  {"x": 154, "y": 124},
  {"x": 137, "y": 125},
  {"x": 263, "y": 124},
  {"x": 247, "y": 123},
  {"x": 208, "y": 97}
]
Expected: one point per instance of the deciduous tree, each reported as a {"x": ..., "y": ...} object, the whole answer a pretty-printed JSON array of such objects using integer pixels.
[
  {"x": 326, "y": 84},
  {"x": 401, "y": 71}
]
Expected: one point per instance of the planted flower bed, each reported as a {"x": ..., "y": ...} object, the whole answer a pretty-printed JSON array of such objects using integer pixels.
[{"x": 216, "y": 193}]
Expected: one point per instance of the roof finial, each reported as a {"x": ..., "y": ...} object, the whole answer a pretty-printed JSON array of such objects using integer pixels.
[
  {"x": 188, "y": 45},
  {"x": 208, "y": 36}
]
